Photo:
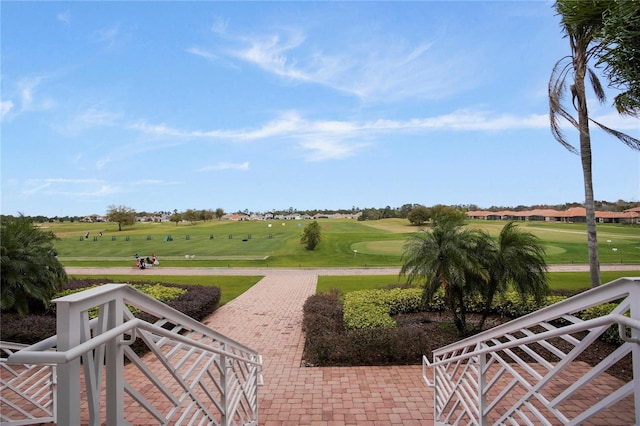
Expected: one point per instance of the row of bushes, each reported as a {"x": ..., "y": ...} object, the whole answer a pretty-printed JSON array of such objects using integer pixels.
[
  {"x": 374, "y": 308},
  {"x": 361, "y": 331},
  {"x": 195, "y": 301}
]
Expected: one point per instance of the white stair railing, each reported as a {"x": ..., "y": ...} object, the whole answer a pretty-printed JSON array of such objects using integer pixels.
[
  {"x": 191, "y": 374},
  {"x": 525, "y": 371},
  {"x": 27, "y": 392}
]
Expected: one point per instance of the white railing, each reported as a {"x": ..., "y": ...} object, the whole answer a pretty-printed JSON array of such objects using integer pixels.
[
  {"x": 527, "y": 371},
  {"x": 27, "y": 392},
  {"x": 191, "y": 374}
]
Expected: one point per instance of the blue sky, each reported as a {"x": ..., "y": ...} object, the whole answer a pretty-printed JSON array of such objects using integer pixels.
[{"x": 270, "y": 105}]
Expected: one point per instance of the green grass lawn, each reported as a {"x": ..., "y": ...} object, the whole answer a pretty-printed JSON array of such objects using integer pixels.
[
  {"x": 345, "y": 243},
  {"x": 557, "y": 280},
  {"x": 230, "y": 286}
]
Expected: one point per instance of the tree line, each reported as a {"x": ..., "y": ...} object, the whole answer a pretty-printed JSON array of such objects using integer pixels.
[{"x": 369, "y": 213}]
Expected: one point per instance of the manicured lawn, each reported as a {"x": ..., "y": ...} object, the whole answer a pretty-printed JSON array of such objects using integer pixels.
[
  {"x": 557, "y": 280},
  {"x": 230, "y": 286},
  {"x": 345, "y": 243}
]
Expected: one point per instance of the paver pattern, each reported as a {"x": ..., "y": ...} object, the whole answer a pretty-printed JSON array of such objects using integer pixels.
[{"x": 268, "y": 317}]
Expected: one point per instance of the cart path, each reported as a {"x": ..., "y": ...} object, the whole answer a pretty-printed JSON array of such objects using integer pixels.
[{"x": 161, "y": 270}]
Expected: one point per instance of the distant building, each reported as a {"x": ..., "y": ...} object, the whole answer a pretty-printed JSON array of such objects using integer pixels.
[{"x": 572, "y": 215}]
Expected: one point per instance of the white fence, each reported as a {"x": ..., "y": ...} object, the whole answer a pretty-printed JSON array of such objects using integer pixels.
[
  {"x": 528, "y": 371},
  {"x": 191, "y": 374}
]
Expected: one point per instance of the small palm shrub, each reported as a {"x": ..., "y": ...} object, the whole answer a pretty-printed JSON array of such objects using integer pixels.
[{"x": 31, "y": 272}]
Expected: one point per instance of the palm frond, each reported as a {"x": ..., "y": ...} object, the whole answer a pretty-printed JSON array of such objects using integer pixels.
[
  {"x": 630, "y": 141},
  {"x": 597, "y": 87},
  {"x": 556, "y": 90}
]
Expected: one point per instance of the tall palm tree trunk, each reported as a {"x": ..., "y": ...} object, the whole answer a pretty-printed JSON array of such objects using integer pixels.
[{"x": 580, "y": 66}]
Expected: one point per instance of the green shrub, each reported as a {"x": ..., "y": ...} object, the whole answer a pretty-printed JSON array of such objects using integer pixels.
[
  {"x": 327, "y": 342},
  {"x": 375, "y": 308},
  {"x": 159, "y": 292},
  {"x": 612, "y": 334}
]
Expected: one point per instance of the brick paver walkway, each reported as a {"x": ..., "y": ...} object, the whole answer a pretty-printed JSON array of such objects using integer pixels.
[{"x": 268, "y": 318}]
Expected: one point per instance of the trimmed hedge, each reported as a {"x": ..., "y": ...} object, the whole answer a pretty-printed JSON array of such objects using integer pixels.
[
  {"x": 374, "y": 308},
  {"x": 329, "y": 340}
]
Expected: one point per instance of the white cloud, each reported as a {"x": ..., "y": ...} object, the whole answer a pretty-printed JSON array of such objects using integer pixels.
[
  {"x": 90, "y": 118},
  {"x": 373, "y": 68},
  {"x": 6, "y": 107},
  {"x": 334, "y": 139},
  {"x": 64, "y": 17},
  {"x": 68, "y": 187},
  {"x": 226, "y": 166},
  {"x": 27, "y": 98},
  {"x": 105, "y": 36},
  {"x": 220, "y": 26},
  {"x": 201, "y": 52},
  {"x": 322, "y": 150},
  {"x": 27, "y": 87}
]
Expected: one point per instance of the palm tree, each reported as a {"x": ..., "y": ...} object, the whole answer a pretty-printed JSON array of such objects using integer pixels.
[
  {"x": 581, "y": 22},
  {"x": 466, "y": 262},
  {"x": 30, "y": 268},
  {"x": 621, "y": 59},
  {"x": 443, "y": 258},
  {"x": 515, "y": 260}
]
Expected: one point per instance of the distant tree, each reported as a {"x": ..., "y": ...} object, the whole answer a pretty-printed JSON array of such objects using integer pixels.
[
  {"x": 176, "y": 217},
  {"x": 370, "y": 214},
  {"x": 419, "y": 215},
  {"x": 219, "y": 213},
  {"x": 30, "y": 269},
  {"x": 190, "y": 215},
  {"x": 403, "y": 212},
  {"x": 582, "y": 23},
  {"x": 311, "y": 235},
  {"x": 387, "y": 213},
  {"x": 441, "y": 213},
  {"x": 207, "y": 214},
  {"x": 122, "y": 215}
]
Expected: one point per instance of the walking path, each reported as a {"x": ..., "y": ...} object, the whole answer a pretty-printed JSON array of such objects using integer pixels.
[
  {"x": 268, "y": 318},
  {"x": 162, "y": 270}
]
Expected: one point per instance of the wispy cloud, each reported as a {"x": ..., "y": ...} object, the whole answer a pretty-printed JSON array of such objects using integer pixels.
[
  {"x": 201, "y": 52},
  {"x": 89, "y": 118},
  {"x": 68, "y": 187},
  {"x": 27, "y": 90},
  {"x": 225, "y": 166},
  {"x": 334, "y": 139},
  {"x": 64, "y": 17},
  {"x": 106, "y": 36},
  {"x": 372, "y": 68},
  {"x": 6, "y": 107},
  {"x": 322, "y": 149}
]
